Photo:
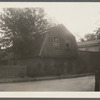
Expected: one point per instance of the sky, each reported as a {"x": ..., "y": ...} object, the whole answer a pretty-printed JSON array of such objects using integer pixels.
[{"x": 79, "y": 18}]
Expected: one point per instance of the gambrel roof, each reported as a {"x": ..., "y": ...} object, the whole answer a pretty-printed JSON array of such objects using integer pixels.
[{"x": 43, "y": 44}]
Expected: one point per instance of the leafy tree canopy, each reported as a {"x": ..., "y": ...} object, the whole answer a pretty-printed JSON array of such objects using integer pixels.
[
  {"x": 20, "y": 26},
  {"x": 98, "y": 33},
  {"x": 90, "y": 37}
]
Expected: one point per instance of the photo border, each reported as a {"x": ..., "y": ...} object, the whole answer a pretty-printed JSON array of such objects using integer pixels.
[{"x": 50, "y": 95}]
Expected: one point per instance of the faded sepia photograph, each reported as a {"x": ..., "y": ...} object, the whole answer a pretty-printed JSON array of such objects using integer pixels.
[{"x": 50, "y": 46}]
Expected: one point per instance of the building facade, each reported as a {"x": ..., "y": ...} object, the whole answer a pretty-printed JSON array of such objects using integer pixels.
[{"x": 55, "y": 53}]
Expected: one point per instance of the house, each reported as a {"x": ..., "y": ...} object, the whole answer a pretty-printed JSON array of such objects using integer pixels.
[
  {"x": 55, "y": 53},
  {"x": 56, "y": 42},
  {"x": 92, "y": 46}
]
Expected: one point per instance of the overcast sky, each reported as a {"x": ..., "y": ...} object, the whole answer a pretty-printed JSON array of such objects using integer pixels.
[{"x": 79, "y": 18}]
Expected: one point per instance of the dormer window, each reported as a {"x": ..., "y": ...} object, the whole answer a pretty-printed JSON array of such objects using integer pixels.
[{"x": 55, "y": 42}]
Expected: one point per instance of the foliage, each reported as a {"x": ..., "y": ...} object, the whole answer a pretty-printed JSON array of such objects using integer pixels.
[
  {"x": 98, "y": 33},
  {"x": 89, "y": 37},
  {"x": 82, "y": 39},
  {"x": 20, "y": 26}
]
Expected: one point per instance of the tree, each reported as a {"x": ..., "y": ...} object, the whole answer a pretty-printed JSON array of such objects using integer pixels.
[
  {"x": 82, "y": 40},
  {"x": 89, "y": 37},
  {"x": 98, "y": 33},
  {"x": 20, "y": 26}
]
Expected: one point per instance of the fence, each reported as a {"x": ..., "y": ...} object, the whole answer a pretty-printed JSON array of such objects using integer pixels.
[
  {"x": 50, "y": 66},
  {"x": 12, "y": 71},
  {"x": 89, "y": 60}
]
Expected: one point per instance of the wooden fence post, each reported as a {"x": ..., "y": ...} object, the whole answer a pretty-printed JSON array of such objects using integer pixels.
[{"x": 97, "y": 79}]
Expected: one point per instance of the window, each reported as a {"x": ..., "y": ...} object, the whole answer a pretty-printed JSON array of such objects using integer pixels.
[
  {"x": 67, "y": 44},
  {"x": 55, "y": 42},
  {"x": 55, "y": 39}
]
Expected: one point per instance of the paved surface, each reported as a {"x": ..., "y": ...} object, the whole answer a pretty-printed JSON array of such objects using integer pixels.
[{"x": 73, "y": 84}]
